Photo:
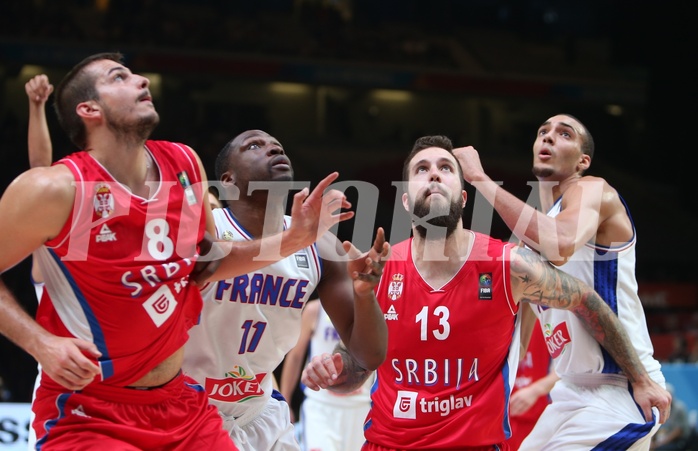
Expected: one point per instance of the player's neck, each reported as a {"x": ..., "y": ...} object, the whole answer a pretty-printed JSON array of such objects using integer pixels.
[
  {"x": 256, "y": 220},
  {"x": 438, "y": 260},
  {"x": 129, "y": 163}
]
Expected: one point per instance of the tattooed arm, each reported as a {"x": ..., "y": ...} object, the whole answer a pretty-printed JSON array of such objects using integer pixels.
[
  {"x": 338, "y": 372},
  {"x": 536, "y": 281}
]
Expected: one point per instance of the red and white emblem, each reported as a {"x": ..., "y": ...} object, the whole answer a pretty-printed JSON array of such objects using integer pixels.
[
  {"x": 395, "y": 287},
  {"x": 103, "y": 201}
]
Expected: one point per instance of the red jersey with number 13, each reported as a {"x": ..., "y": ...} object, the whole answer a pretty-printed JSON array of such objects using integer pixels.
[{"x": 452, "y": 353}]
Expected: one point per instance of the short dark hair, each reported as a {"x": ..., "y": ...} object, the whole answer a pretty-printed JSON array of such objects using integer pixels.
[
  {"x": 78, "y": 86},
  {"x": 221, "y": 165},
  {"x": 425, "y": 142}
]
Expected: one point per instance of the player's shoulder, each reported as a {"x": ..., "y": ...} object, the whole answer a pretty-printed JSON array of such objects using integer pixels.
[
  {"x": 48, "y": 181},
  {"x": 610, "y": 194},
  {"x": 161, "y": 146},
  {"x": 42, "y": 194},
  {"x": 589, "y": 179}
]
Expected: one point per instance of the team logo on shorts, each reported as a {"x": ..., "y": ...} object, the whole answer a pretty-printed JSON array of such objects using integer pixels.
[
  {"x": 228, "y": 236},
  {"x": 485, "y": 286},
  {"x": 103, "y": 201},
  {"x": 395, "y": 286}
]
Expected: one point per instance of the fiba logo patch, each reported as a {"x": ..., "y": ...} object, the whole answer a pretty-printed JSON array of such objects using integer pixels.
[
  {"x": 160, "y": 305},
  {"x": 485, "y": 286},
  {"x": 405, "y": 405},
  {"x": 103, "y": 201},
  {"x": 395, "y": 286}
]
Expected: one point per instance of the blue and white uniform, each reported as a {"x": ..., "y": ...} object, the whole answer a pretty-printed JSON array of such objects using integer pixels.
[
  {"x": 247, "y": 326},
  {"x": 593, "y": 403}
]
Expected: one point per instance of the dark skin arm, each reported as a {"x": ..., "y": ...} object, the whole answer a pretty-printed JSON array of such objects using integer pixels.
[{"x": 347, "y": 295}]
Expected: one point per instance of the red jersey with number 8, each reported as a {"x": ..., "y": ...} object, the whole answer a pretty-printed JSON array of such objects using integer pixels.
[{"x": 118, "y": 273}]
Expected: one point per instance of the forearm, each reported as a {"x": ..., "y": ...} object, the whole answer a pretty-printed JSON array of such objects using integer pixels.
[
  {"x": 289, "y": 376},
  {"x": 38, "y": 137},
  {"x": 369, "y": 336},
  {"x": 17, "y": 325},
  {"x": 543, "y": 385},
  {"x": 242, "y": 257},
  {"x": 600, "y": 321},
  {"x": 352, "y": 375},
  {"x": 534, "y": 228}
]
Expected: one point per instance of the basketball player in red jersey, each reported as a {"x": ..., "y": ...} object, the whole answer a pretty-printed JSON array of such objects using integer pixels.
[
  {"x": 117, "y": 229},
  {"x": 450, "y": 298}
]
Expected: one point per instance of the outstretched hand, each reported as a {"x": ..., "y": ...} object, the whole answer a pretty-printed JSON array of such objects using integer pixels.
[
  {"x": 314, "y": 214},
  {"x": 366, "y": 268}
]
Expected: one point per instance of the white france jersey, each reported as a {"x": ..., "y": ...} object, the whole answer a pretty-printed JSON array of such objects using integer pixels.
[
  {"x": 611, "y": 272},
  {"x": 247, "y": 326},
  {"x": 324, "y": 339}
]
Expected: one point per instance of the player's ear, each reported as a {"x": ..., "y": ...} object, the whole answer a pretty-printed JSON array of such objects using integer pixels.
[
  {"x": 89, "y": 109},
  {"x": 406, "y": 203},
  {"x": 584, "y": 163},
  {"x": 228, "y": 178}
]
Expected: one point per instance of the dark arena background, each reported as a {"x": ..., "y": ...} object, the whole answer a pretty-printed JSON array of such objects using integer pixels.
[{"x": 348, "y": 85}]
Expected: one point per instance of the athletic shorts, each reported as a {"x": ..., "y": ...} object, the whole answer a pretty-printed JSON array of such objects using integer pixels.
[
  {"x": 328, "y": 427},
  {"x": 601, "y": 417},
  {"x": 501, "y": 447},
  {"x": 270, "y": 430},
  {"x": 176, "y": 416}
]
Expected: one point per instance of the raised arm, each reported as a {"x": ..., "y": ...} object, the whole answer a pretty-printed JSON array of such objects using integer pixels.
[
  {"x": 347, "y": 295},
  {"x": 33, "y": 209},
  {"x": 38, "y": 90},
  {"x": 585, "y": 205},
  {"x": 536, "y": 281},
  {"x": 293, "y": 362},
  {"x": 312, "y": 214}
]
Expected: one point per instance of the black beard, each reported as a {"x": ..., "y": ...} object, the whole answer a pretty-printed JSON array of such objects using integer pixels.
[
  {"x": 542, "y": 172},
  {"x": 138, "y": 131},
  {"x": 448, "y": 221}
]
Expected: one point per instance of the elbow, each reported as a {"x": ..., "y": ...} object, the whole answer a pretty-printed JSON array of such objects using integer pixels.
[
  {"x": 373, "y": 360},
  {"x": 370, "y": 359},
  {"x": 39, "y": 162},
  {"x": 565, "y": 249}
]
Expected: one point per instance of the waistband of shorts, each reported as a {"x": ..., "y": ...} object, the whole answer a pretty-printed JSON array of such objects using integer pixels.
[
  {"x": 596, "y": 379},
  {"x": 248, "y": 415},
  {"x": 151, "y": 395}
]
